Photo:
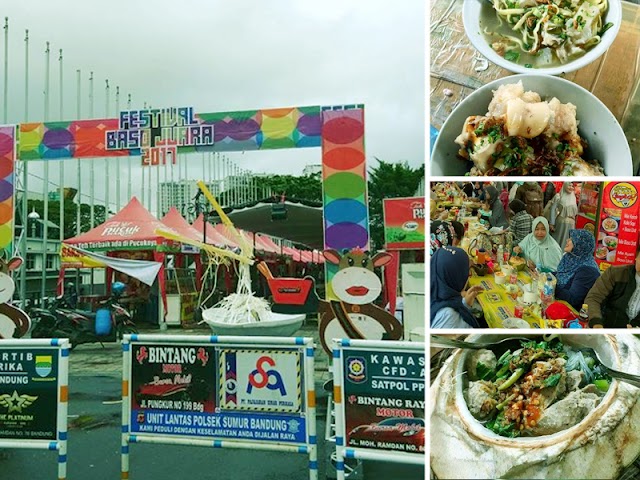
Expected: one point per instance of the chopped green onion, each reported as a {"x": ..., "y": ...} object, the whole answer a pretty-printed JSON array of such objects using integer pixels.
[
  {"x": 606, "y": 27},
  {"x": 602, "y": 384},
  {"x": 512, "y": 56}
]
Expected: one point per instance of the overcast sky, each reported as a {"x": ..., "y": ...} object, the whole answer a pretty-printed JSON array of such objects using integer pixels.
[{"x": 226, "y": 55}]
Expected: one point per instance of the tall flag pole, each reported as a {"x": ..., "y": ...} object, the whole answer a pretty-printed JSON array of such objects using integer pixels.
[
  {"x": 92, "y": 167},
  {"x": 91, "y": 179},
  {"x": 118, "y": 157},
  {"x": 130, "y": 158},
  {"x": 144, "y": 106},
  {"x": 107, "y": 112},
  {"x": 78, "y": 171},
  {"x": 25, "y": 177},
  {"x": 45, "y": 226},
  {"x": 61, "y": 117},
  {"x": 6, "y": 71}
]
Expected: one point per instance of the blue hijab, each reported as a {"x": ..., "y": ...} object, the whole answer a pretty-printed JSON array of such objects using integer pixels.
[
  {"x": 449, "y": 274},
  {"x": 584, "y": 245}
]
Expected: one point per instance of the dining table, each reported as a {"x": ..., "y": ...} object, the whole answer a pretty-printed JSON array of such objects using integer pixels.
[
  {"x": 457, "y": 69},
  {"x": 497, "y": 303}
]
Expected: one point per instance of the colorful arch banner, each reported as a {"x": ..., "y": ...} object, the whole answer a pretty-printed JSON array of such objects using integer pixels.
[
  {"x": 344, "y": 180},
  {"x": 295, "y": 127},
  {"x": 7, "y": 161}
]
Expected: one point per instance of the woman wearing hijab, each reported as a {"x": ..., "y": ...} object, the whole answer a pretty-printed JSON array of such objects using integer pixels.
[
  {"x": 449, "y": 275},
  {"x": 445, "y": 234},
  {"x": 539, "y": 247},
  {"x": 498, "y": 218},
  {"x": 577, "y": 271},
  {"x": 520, "y": 222},
  {"x": 564, "y": 209}
]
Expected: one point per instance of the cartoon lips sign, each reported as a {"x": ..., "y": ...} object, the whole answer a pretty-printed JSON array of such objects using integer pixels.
[{"x": 357, "y": 291}]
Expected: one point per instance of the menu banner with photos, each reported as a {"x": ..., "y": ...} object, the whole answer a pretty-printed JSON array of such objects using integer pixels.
[{"x": 617, "y": 232}]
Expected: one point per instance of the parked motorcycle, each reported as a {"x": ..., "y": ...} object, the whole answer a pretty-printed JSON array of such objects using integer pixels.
[{"x": 108, "y": 324}]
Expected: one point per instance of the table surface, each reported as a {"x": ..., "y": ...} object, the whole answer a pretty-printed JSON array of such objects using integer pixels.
[
  {"x": 613, "y": 78},
  {"x": 496, "y": 303}
]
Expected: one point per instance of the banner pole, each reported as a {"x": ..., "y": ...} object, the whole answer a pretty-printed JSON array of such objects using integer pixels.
[
  {"x": 63, "y": 407},
  {"x": 126, "y": 414}
]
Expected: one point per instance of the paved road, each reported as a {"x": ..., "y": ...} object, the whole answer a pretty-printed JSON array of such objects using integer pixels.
[{"x": 94, "y": 438}]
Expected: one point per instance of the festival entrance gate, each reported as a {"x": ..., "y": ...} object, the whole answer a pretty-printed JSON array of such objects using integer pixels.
[{"x": 158, "y": 135}]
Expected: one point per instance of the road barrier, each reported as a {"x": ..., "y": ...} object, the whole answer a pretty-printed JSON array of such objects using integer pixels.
[
  {"x": 379, "y": 399},
  {"x": 223, "y": 392},
  {"x": 34, "y": 394}
]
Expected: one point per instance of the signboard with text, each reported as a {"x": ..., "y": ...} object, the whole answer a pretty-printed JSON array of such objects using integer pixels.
[
  {"x": 158, "y": 133},
  {"x": 214, "y": 392},
  {"x": 29, "y": 393},
  {"x": 617, "y": 232},
  {"x": 384, "y": 399},
  {"x": 404, "y": 223}
]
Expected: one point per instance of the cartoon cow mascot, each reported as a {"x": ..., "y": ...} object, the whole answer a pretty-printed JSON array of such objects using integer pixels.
[
  {"x": 14, "y": 323},
  {"x": 354, "y": 315}
]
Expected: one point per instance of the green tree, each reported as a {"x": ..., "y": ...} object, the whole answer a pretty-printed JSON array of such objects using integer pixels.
[
  {"x": 388, "y": 180},
  {"x": 302, "y": 188}
]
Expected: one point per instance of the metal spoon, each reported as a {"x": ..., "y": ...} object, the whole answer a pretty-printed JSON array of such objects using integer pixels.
[
  {"x": 622, "y": 376},
  {"x": 438, "y": 341}
]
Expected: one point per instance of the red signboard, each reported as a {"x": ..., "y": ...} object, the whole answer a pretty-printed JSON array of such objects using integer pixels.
[
  {"x": 617, "y": 237},
  {"x": 404, "y": 223}
]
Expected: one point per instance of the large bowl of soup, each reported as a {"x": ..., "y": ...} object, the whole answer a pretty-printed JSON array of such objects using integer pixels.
[
  {"x": 606, "y": 143},
  {"x": 571, "y": 37},
  {"x": 598, "y": 443}
]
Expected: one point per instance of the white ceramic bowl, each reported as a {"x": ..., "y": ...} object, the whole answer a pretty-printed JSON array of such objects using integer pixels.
[
  {"x": 474, "y": 10},
  {"x": 500, "y": 278},
  {"x": 607, "y": 141}
]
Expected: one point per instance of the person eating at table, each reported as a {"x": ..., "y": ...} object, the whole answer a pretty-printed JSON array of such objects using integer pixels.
[
  {"x": 450, "y": 304},
  {"x": 539, "y": 248},
  {"x": 521, "y": 221},
  {"x": 614, "y": 300},
  {"x": 578, "y": 270},
  {"x": 498, "y": 217},
  {"x": 445, "y": 233}
]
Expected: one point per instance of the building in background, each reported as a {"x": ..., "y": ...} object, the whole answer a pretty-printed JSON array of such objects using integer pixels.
[
  {"x": 312, "y": 169},
  {"x": 180, "y": 194}
]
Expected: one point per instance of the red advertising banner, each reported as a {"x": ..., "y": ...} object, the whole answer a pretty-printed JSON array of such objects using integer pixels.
[
  {"x": 617, "y": 237},
  {"x": 404, "y": 223}
]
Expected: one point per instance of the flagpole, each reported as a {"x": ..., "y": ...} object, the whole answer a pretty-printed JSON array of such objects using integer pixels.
[
  {"x": 45, "y": 226},
  {"x": 129, "y": 157},
  {"x": 106, "y": 159},
  {"x": 92, "y": 168},
  {"x": 6, "y": 70},
  {"x": 118, "y": 186},
  {"x": 25, "y": 178},
  {"x": 78, "y": 171},
  {"x": 91, "y": 178},
  {"x": 61, "y": 199}
]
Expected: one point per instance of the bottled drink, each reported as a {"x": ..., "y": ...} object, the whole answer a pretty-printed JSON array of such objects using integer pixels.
[
  {"x": 584, "y": 315},
  {"x": 547, "y": 291}
]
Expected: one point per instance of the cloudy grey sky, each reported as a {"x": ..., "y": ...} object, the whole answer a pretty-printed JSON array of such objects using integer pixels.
[{"x": 219, "y": 55}]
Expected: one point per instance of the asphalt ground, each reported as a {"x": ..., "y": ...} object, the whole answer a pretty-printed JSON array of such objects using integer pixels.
[{"x": 95, "y": 411}]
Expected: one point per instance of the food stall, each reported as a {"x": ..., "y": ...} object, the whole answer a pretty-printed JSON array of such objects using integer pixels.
[
  {"x": 130, "y": 234},
  {"x": 182, "y": 282}
]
